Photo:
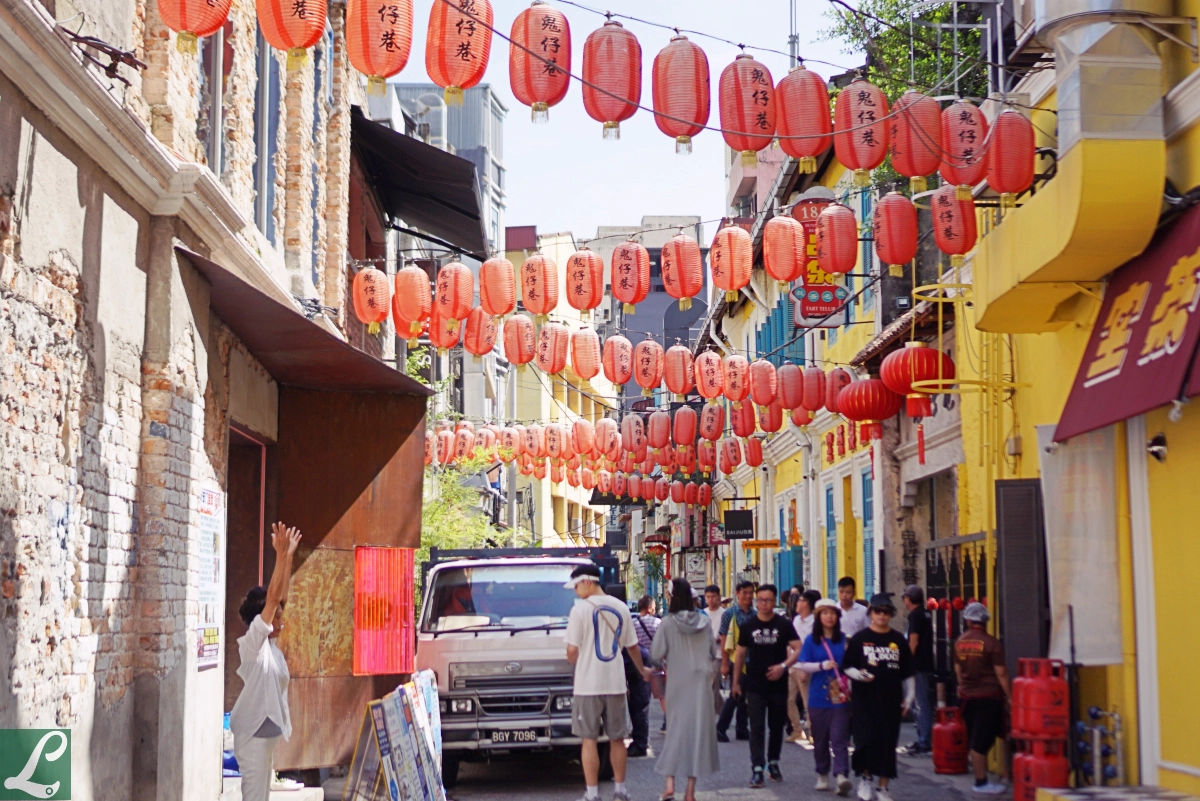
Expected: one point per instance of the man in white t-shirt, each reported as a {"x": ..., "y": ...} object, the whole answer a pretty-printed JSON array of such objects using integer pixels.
[
  {"x": 598, "y": 628},
  {"x": 854, "y": 615},
  {"x": 712, "y": 602}
]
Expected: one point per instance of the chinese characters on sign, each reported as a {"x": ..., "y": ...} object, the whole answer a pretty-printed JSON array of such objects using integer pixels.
[{"x": 211, "y": 590}]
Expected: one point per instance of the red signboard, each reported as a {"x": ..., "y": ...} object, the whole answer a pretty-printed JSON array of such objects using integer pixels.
[
  {"x": 384, "y": 637},
  {"x": 818, "y": 294},
  {"x": 1145, "y": 336}
]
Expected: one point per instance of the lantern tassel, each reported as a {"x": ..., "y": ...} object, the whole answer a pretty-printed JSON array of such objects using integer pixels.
[
  {"x": 749, "y": 158},
  {"x": 957, "y": 261},
  {"x": 685, "y": 304},
  {"x": 453, "y": 95},
  {"x": 297, "y": 57},
  {"x": 648, "y": 393},
  {"x": 808, "y": 165},
  {"x": 683, "y": 146},
  {"x": 963, "y": 192},
  {"x": 373, "y": 328},
  {"x": 731, "y": 296},
  {"x": 895, "y": 270},
  {"x": 376, "y": 86},
  {"x": 629, "y": 308},
  {"x": 1008, "y": 200},
  {"x": 186, "y": 43},
  {"x": 862, "y": 178},
  {"x": 540, "y": 113},
  {"x": 920, "y": 443},
  {"x": 917, "y": 184},
  {"x": 612, "y": 131},
  {"x": 414, "y": 343}
]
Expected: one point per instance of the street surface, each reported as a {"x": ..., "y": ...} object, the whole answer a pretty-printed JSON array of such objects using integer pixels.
[{"x": 550, "y": 779}]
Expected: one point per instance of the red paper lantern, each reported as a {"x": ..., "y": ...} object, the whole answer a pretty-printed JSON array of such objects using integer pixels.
[
  {"x": 791, "y": 385},
  {"x": 648, "y": 366},
  {"x": 861, "y": 130},
  {"x": 630, "y": 274},
  {"x": 801, "y": 417},
  {"x": 480, "y": 336},
  {"x": 587, "y": 479},
  {"x": 464, "y": 444},
  {"x": 731, "y": 452},
  {"x": 430, "y": 448},
  {"x": 193, "y": 19},
  {"x": 742, "y": 420},
  {"x": 753, "y": 452},
  {"x": 618, "y": 359},
  {"x": 445, "y": 446},
  {"x": 916, "y": 137},
  {"x": 585, "y": 353},
  {"x": 681, "y": 92},
  {"x": 612, "y": 76},
  {"x": 539, "y": 469},
  {"x": 683, "y": 428},
  {"x": 409, "y": 329},
  {"x": 662, "y": 489},
  {"x": 677, "y": 491},
  {"x": 292, "y": 26},
  {"x": 633, "y": 433},
  {"x": 813, "y": 398},
  {"x": 953, "y": 223},
  {"x": 608, "y": 437},
  {"x": 837, "y": 239},
  {"x": 497, "y": 286},
  {"x": 770, "y": 418},
  {"x": 710, "y": 375},
  {"x": 443, "y": 334},
  {"x": 573, "y": 478},
  {"x": 686, "y": 456},
  {"x": 554, "y": 434},
  {"x": 666, "y": 455},
  {"x": 691, "y": 493},
  {"x": 869, "y": 402},
  {"x": 712, "y": 421},
  {"x": 413, "y": 299},
  {"x": 535, "y": 441},
  {"x": 620, "y": 484},
  {"x": 455, "y": 292},
  {"x": 372, "y": 297},
  {"x": 552, "y": 348},
  {"x": 585, "y": 280},
  {"x": 731, "y": 260},
  {"x": 747, "y": 103},
  {"x": 520, "y": 432},
  {"x": 678, "y": 370},
  {"x": 585, "y": 436},
  {"x": 837, "y": 380},
  {"x": 1011, "y": 156},
  {"x": 704, "y": 495},
  {"x": 604, "y": 481},
  {"x": 737, "y": 379},
  {"x": 802, "y": 111},
  {"x": 706, "y": 456},
  {"x": 763, "y": 382},
  {"x": 964, "y": 134},
  {"x": 658, "y": 430},
  {"x": 916, "y": 362},
  {"x": 682, "y": 270},
  {"x": 458, "y": 45},
  {"x": 895, "y": 229},
  {"x": 539, "y": 58},
  {"x": 633, "y": 485},
  {"x": 510, "y": 443},
  {"x": 378, "y": 39},
  {"x": 539, "y": 283},
  {"x": 520, "y": 342},
  {"x": 785, "y": 248}
]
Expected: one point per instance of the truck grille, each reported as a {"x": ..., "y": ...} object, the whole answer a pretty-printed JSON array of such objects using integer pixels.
[
  {"x": 511, "y": 682},
  {"x": 525, "y": 704}
]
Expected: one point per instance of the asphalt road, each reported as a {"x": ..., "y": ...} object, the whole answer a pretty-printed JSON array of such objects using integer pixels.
[{"x": 542, "y": 778}]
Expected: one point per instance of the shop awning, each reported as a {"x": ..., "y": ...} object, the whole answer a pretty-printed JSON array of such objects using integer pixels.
[
  {"x": 421, "y": 185},
  {"x": 1144, "y": 341},
  {"x": 295, "y": 350}
]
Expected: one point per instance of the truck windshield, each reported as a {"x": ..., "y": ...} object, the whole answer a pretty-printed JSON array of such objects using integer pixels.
[{"x": 500, "y": 596}]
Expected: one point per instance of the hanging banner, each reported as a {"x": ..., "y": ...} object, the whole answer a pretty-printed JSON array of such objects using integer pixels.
[
  {"x": 211, "y": 590},
  {"x": 818, "y": 294}
]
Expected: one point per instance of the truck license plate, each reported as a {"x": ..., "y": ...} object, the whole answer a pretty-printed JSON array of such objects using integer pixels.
[{"x": 515, "y": 736}]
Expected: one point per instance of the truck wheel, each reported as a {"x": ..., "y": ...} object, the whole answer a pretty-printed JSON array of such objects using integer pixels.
[
  {"x": 450, "y": 770},
  {"x": 606, "y": 771}
]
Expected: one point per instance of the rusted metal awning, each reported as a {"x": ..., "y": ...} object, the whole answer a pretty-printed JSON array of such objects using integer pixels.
[
  {"x": 921, "y": 319},
  {"x": 295, "y": 351}
]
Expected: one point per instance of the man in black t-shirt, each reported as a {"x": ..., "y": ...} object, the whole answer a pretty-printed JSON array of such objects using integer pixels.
[
  {"x": 767, "y": 647},
  {"x": 919, "y": 633}
]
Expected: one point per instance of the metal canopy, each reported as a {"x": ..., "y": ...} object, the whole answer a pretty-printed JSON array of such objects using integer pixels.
[
  {"x": 421, "y": 185},
  {"x": 294, "y": 350}
]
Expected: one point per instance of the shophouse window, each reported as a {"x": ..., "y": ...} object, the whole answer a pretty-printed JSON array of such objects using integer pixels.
[
  {"x": 870, "y": 558},
  {"x": 831, "y": 576},
  {"x": 322, "y": 103},
  {"x": 266, "y": 138},
  {"x": 214, "y": 80}
]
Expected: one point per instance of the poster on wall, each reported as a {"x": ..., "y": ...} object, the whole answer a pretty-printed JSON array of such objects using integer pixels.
[
  {"x": 211, "y": 593},
  {"x": 695, "y": 568},
  {"x": 716, "y": 534},
  {"x": 818, "y": 296}
]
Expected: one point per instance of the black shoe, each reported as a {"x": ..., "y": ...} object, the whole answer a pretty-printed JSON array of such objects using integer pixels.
[
  {"x": 743, "y": 735},
  {"x": 756, "y": 778},
  {"x": 635, "y": 751},
  {"x": 776, "y": 773},
  {"x": 722, "y": 737}
]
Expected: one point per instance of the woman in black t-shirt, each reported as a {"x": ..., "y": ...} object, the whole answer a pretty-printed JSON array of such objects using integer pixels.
[{"x": 880, "y": 664}]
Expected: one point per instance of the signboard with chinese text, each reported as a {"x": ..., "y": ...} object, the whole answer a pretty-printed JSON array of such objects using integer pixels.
[
  {"x": 1144, "y": 340},
  {"x": 211, "y": 592},
  {"x": 818, "y": 294}
]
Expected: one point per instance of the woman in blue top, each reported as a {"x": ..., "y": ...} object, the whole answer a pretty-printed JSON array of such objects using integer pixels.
[{"x": 828, "y": 705}]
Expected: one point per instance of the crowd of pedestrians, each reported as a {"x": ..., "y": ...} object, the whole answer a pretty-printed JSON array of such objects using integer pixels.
[{"x": 833, "y": 672}]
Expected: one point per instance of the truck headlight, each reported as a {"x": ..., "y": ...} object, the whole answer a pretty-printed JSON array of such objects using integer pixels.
[
  {"x": 562, "y": 703},
  {"x": 461, "y": 706}
]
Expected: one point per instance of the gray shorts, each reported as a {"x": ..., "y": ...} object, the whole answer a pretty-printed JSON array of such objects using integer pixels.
[{"x": 587, "y": 712}]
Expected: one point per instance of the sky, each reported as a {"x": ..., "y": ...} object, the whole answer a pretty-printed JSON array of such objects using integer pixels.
[{"x": 562, "y": 176}]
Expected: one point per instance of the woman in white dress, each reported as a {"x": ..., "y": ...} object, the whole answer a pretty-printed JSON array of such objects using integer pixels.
[{"x": 260, "y": 716}]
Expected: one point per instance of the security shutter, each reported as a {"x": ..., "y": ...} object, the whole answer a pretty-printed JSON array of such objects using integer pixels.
[{"x": 1021, "y": 568}]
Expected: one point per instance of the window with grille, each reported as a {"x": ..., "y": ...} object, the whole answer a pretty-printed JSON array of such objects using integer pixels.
[
  {"x": 868, "y": 527},
  {"x": 773, "y": 337},
  {"x": 830, "y": 544}
]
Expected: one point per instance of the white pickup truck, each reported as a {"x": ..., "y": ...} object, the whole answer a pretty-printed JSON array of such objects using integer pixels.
[{"x": 492, "y": 630}]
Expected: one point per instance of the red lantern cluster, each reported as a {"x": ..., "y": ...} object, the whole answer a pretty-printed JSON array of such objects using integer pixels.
[
  {"x": 916, "y": 362},
  {"x": 868, "y": 402}
]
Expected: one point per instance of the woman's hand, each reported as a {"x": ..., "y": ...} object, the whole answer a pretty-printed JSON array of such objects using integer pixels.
[
  {"x": 828, "y": 664},
  {"x": 284, "y": 540}
]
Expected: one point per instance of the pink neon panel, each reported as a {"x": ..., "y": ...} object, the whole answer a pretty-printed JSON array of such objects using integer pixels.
[{"x": 383, "y": 611}]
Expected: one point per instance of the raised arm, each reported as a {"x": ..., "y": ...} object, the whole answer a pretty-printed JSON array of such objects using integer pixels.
[{"x": 285, "y": 541}]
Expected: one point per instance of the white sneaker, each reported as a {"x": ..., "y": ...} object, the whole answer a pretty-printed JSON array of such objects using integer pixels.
[
  {"x": 991, "y": 788},
  {"x": 865, "y": 789},
  {"x": 844, "y": 785},
  {"x": 882, "y": 794},
  {"x": 822, "y": 782}
]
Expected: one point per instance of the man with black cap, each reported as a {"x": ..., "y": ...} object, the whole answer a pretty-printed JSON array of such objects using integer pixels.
[
  {"x": 880, "y": 664},
  {"x": 983, "y": 687},
  {"x": 598, "y": 629}
]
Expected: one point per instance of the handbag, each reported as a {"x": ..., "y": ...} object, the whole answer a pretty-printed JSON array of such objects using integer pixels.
[{"x": 838, "y": 690}]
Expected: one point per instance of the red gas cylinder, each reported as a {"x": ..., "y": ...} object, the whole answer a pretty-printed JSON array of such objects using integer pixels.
[
  {"x": 1047, "y": 765},
  {"x": 1044, "y": 713},
  {"x": 1020, "y": 686},
  {"x": 949, "y": 741},
  {"x": 1022, "y": 787}
]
